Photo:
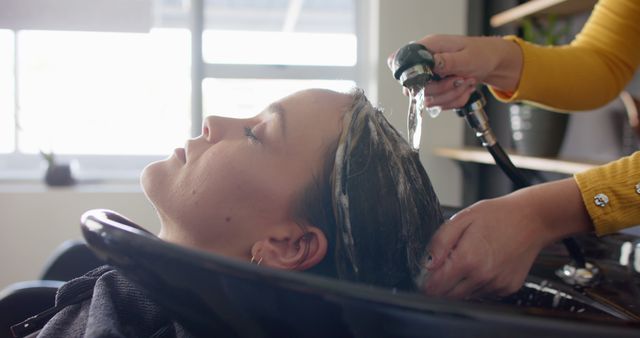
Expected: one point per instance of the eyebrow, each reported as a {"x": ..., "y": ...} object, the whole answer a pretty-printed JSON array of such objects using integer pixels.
[{"x": 278, "y": 109}]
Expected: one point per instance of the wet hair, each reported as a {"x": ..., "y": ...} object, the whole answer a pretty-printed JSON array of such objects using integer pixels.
[{"x": 374, "y": 202}]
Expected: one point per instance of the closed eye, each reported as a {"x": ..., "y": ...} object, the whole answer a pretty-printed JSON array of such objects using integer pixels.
[{"x": 248, "y": 132}]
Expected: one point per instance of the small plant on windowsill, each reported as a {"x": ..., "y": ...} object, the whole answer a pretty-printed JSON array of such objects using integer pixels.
[
  {"x": 536, "y": 131},
  {"x": 57, "y": 174}
]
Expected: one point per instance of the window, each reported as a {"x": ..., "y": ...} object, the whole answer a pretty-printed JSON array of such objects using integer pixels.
[
  {"x": 103, "y": 93},
  {"x": 262, "y": 92},
  {"x": 113, "y": 101},
  {"x": 279, "y": 48},
  {"x": 7, "y": 122},
  {"x": 262, "y": 50}
]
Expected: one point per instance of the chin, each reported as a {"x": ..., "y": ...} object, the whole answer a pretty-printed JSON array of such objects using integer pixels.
[
  {"x": 158, "y": 180},
  {"x": 152, "y": 180}
]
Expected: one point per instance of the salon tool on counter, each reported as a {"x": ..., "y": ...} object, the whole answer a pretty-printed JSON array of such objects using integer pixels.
[{"x": 412, "y": 66}]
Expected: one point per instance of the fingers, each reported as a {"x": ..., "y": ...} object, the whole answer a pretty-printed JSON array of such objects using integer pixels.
[
  {"x": 456, "y": 276},
  {"x": 439, "y": 43},
  {"x": 456, "y": 63},
  {"x": 460, "y": 100},
  {"x": 449, "y": 94},
  {"x": 437, "y": 283},
  {"x": 446, "y": 238},
  {"x": 464, "y": 289},
  {"x": 390, "y": 60},
  {"x": 461, "y": 276},
  {"x": 462, "y": 272},
  {"x": 435, "y": 88}
]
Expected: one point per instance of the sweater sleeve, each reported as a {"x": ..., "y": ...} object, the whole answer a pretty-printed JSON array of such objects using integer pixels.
[
  {"x": 611, "y": 194},
  {"x": 591, "y": 70}
]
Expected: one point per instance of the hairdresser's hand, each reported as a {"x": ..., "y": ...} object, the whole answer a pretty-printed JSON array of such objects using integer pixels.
[
  {"x": 489, "y": 247},
  {"x": 465, "y": 61}
]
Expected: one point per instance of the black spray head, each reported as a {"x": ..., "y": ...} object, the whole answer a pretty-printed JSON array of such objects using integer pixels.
[{"x": 412, "y": 65}]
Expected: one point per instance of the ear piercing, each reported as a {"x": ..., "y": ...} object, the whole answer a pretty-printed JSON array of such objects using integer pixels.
[{"x": 255, "y": 261}]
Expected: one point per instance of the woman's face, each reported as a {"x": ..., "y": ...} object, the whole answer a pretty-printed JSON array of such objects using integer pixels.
[{"x": 237, "y": 182}]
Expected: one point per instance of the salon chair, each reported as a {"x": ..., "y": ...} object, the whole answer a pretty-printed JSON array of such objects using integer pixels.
[
  {"x": 213, "y": 295},
  {"x": 70, "y": 260},
  {"x": 20, "y": 300}
]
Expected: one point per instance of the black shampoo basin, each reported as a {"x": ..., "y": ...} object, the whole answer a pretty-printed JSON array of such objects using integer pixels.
[{"x": 217, "y": 296}]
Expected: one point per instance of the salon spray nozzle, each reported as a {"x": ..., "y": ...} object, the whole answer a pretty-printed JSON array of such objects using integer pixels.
[{"x": 412, "y": 66}]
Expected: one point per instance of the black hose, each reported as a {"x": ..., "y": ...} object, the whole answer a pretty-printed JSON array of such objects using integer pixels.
[
  {"x": 504, "y": 162},
  {"x": 520, "y": 181}
]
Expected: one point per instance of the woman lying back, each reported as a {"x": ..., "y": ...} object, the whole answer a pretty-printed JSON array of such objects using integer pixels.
[{"x": 319, "y": 181}]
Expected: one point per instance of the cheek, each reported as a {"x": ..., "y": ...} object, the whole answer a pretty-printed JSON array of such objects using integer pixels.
[
  {"x": 225, "y": 188},
  {"x": 209, "y": 184},
  {"x": 211, "y": 192},
  {"x": 235, "y": 187}
]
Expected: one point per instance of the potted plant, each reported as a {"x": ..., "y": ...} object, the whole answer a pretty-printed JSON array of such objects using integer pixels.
[
  {"x": 536, "y": 131},
  {"x": 57, "y": 174}
]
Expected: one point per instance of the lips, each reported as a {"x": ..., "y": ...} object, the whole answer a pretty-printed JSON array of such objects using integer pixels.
[{"x": 180, "y": 154}]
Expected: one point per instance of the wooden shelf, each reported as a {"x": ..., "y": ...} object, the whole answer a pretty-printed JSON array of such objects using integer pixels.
[
  {"x": 539, "y": 7},
  {"x": 481, "y": 155}
]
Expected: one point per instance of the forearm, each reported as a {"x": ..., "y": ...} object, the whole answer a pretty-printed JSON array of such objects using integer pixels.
[
  {"x": 557, "y": 207},
  {"x": 589, "y": 72},
  {"x": 568, "y": 77},
  {"x": 508, "y": 69}
]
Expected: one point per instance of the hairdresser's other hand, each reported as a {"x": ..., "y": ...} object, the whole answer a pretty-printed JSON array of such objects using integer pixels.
[
  {"x": 489, "y": 247},
  {"x": 490, "y": 60}
]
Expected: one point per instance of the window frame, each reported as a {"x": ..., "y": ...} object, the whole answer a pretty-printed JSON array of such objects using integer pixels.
[{"x": 21, "y": 166}]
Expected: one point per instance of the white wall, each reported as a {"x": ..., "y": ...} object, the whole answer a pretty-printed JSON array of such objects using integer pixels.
[
  {"x": 35, "y": 220},
  {"x": 408, "y": 20}
]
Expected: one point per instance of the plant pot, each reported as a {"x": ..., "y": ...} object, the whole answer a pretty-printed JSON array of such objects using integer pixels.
[
  {"x": 536, "y": 131},
  {"x": 59, "y": 175}
]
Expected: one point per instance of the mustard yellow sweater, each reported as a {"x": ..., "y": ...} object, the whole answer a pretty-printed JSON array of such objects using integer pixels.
[{"x": 586, "y": 74}]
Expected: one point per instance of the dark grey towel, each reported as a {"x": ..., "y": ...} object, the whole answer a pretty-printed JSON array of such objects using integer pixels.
[{"x": 103, "y": 303}]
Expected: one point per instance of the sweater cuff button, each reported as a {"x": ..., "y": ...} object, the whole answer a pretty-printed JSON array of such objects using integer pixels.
[{"x": 601, "y": 200}]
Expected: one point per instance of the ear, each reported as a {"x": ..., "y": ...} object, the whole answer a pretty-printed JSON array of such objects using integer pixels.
[{"x": 292, "y": 248}]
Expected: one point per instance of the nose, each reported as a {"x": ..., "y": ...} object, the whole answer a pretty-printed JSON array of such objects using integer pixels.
[
  {"x": 215, "y": 128},
  {"x": 212, "y": 128}
]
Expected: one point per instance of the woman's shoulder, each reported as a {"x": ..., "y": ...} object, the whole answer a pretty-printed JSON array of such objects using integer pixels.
[{"x": 104, "y": 302}]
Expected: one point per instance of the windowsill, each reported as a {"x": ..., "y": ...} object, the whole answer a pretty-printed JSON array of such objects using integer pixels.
[
  {"x": 87, "y": 169},
  {"x": 94, "y": 181},
  {"x": 93, "y": 186}
]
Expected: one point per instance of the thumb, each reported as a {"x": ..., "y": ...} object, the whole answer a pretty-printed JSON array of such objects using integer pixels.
[
  {"x": 445, "y": 239},
  {"x": 453, "y": 63},
  {"x": 448, "y": 53},
  {"x": 439, "y": 43}
]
